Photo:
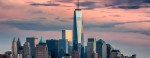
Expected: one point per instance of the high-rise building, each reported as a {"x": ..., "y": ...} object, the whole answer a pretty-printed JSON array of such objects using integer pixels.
[
  {"x": 78, "y": 40},
  {"x": 33, "y": 42},
  {"x": 101, "y": 48},
  {"x": 67, "y": 56},
  {"x": 14, "y": 48},
  {"x": 19, "y": 56},
  {"x": 26, "y": 50},
  {"x": 115, "y": 54},
  {"x": 42, "y": 50},
  {"x": 75, "y": 54},
  {"x": 18, "y": 45},
  {"x": 20, "y": 52},
  {"x": 133, "y": 56},
  {"x": 109, "y": 49},
  {"x": 53, "y": 48},
  {"x": 67, "y": 34},
  {"x": 66, "y": 40},
  {"x": 91, "y": 48},
  {"x": 62, "y": 47}
]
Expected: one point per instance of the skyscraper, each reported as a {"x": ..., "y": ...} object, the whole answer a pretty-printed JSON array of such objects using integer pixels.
[
  {"x": 78, "y": 40},
  {"x": 101, "y": 48},
  {"x": 91, "y": 47},
  {"x": 109, "y": 49},
  {"x": 18, "y": 45},
  {"x": 42, "y": 50},
  {"x": 33, "y": 42},
  {"x": 26, "y": 50},
  {"x": 115, "y": 54},
  {"x": 67, "y": 34},
  {"x": 14, "y": 48},
  {"x": 53, "y": 48}
]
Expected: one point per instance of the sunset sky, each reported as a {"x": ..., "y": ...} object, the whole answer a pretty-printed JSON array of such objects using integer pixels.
[{"x": 125, "y": 24}]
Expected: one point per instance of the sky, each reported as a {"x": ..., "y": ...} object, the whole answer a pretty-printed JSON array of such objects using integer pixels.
[{"x": 122, "y": 23}]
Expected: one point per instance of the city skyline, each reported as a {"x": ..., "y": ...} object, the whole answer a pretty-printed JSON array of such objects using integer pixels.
[{"x": 112, "y": 23}]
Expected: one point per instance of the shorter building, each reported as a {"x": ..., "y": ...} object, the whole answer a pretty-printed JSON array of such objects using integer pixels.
[
  {"x": 67, "y": 56},
  {"x": 75, "y": 54},
  {"x": 42, "y": 50},
  {"x": 115, "y": 54},
  {"x": 133, "y": 56}
]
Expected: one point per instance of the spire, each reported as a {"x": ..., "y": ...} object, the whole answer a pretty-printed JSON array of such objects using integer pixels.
[
  {"x": 78, "y": 4},
  {"x": 41, "y": 41},
  {"x": 18, "y": 39},
  {"x": 14, "y": 39}
]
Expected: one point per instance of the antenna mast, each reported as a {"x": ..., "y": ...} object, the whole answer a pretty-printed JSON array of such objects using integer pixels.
[{"x": 78, "y": 2}]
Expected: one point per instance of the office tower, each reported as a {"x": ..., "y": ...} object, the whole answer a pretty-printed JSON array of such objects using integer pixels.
[
  {"x": 126, "y": 57},
  {"x": 26, "y": 50},
  {"x": 133, "y": 56},
  {"x": 20, "y": 52},
  {"x": 91, "y": 48},
  {"x": 42, "y": 50},
  {"x": 115, "y": 54},
  {"x": 33, "y": 42},
  {"x": 75, "y": 54},
  {"x": 14, "y": 48},
  {"x": 18, "y": 45},
  {"x": 101, "y": 48},
  {"x": 62, "y": 47},
  {"x": 19, "y": 56},
  {"x": 109, "y": 48},
  {"x": 67, "y": 34},
  {"x": 70, "y": 47},
  {"x": 67, "y": 40},
  {"x": 7, "y": 55},
  {"x": 67, "y": 56},
  {"x": 78, "y": 40},
  {"x": 122, "y": 56},
  {"x": 52, "y": 47}
]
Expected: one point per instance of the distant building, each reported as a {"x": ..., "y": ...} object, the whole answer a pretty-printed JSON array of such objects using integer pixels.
[
  {"x": 26, "y": 50},
  {"x": 53, "y": 48},
  {"x": 133, "y": 56},
  {"x": 66, "y": 40},
  {"x": 91, "y": 48},
  {"x": 20, "y": 52},
  {"x": 75, "y": 54},
  {"x": 33, "y": 42},
  {"x": 109, "y": 49},
  {"x": 19, "y": 56},
  {"x": 6, "y": 55},
  {"x": 67, "y": 56},
  {"x": 18, "y": 45},
  {"x": 115, "y": 54},
  {"x": 42, "y": 50},
  {"x": 14, "y": 48},
  {"x": 67, "y": 34},
  {"x": 101, "y": 48}
]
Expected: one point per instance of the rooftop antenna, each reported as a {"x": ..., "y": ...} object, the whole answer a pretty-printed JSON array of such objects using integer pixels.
[{"x": 78, "y": 2}]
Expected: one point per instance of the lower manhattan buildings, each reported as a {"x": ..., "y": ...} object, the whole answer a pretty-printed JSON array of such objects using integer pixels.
[{"x": 71, "y": 45}]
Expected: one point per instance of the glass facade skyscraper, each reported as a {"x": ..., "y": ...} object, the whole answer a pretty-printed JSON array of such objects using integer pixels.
[
  {"x": 78, "y": 41},
  {"x": 33, "y": 42}
]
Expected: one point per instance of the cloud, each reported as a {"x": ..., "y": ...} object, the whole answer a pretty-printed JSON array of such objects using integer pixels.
[
  {"x": 38, "y": 25},
  {"x": 116, "y": 4},
  {"x": 48, "y": 3},
  {"x": 112, "y": 27},
  {"x": 43, "y": 4}
]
